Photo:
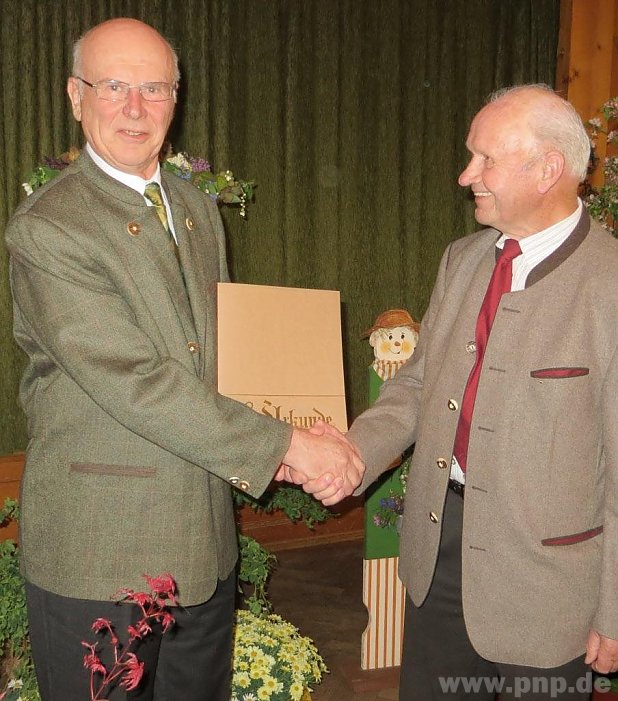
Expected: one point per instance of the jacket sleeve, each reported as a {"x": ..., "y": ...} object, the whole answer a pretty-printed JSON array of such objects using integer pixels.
[
  {"x": 389, "y": 426},
  {"x": 606, "y": 619},
  {"x": 71, "y": 314}
]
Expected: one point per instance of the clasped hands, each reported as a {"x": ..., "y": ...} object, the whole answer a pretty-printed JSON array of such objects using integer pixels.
[{"x": 324, "y": 462}]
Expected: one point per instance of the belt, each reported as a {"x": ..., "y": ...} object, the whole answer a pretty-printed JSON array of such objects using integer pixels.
[{"x": 457, "y": 487}]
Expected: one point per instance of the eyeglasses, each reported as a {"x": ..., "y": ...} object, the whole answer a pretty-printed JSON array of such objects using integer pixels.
[{"x": 117, "y": 91}]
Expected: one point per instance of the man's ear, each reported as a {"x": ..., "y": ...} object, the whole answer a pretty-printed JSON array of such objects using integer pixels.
[
  {"x": 73, "y": 89},
  {"x": 553, "y": 167}
]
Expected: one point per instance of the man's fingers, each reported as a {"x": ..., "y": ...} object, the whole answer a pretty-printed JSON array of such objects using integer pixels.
[
  {"x": 322, "y": 484},
  {"x": 335, "y": 499},
  {"x": 318, "y": 428}
]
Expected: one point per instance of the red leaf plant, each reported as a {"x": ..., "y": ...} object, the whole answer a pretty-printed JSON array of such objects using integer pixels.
[{"x": 127, "y": 670}]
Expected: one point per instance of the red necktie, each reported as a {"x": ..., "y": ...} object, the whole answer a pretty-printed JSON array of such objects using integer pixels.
[{"x": 499, "y": 284}]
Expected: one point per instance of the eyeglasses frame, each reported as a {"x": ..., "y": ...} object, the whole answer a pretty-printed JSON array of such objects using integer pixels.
[{"x": 173, "y": 86}]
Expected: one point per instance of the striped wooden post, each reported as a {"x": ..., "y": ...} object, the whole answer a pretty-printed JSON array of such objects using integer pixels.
[{"x": 384, "y": 596}]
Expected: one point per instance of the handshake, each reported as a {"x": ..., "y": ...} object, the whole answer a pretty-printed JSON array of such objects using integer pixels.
[{"x": 324, "y": 462}]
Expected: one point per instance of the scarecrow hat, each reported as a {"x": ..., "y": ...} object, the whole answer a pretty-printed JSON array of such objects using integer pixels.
[{"x": 391, "y": 318}]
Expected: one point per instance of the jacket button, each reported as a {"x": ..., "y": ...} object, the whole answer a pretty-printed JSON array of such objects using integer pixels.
[
  {"x": 193, "y": 347},
  {"x": 452, "y": 405},
  {"x": 433, "y": 517},
  {"x": 441, "y": 463},
  {"x": 244, "y": 485},
  {"x": 189, "y": 223},
  {"x": 134, "y": 228},
  {"x": 471, "y": 347},
  {"x": 234, "y": 480}
]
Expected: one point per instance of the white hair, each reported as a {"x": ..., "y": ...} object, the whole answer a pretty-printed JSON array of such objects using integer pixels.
[{"x": 556, "y": 123}]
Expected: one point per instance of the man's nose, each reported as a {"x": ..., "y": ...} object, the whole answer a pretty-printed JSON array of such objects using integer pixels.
[
  {"x": 134, "y": 104},
  {"x": 470, "y": 174}
]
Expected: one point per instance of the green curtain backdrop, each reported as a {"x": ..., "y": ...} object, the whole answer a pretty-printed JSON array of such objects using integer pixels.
[{"x": 350, "y": 115}]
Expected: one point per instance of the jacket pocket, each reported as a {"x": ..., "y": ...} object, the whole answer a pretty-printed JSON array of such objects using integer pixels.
[
  {"x": 559, "y": 373},
  {"x": 90, "y": 468},
  {"x": 573, "y": 537}
]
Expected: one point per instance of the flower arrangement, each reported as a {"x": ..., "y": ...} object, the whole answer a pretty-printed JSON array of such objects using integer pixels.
[
  {"x": 127, "y": 670},
  {"x": 272, "y": 661},
  {"x": 223, "y": 187},
  {"x": 602, "y": 202},
  {"x": 388, "y": 513}
]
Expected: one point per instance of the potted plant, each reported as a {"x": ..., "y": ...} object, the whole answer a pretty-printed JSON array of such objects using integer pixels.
[{"x": 272, "y": 661}]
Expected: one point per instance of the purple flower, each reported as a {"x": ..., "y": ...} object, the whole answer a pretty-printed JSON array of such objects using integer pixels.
[
  {"x": 55, "y": 163},
  {"x": 199, "y": 165}
]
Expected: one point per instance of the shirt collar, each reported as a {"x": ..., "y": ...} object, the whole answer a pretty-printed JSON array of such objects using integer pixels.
[
  {"x": 550, "y": 237},
  {"x": 135, "y": 182}
]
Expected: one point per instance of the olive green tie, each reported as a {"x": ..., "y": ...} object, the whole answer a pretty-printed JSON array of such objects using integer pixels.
[{"x": 153, "y": 193}]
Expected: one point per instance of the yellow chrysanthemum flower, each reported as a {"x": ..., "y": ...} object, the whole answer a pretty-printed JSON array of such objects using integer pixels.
[
  {"x": 241, "y": 679},
  {"x": 296, "y": 691}
]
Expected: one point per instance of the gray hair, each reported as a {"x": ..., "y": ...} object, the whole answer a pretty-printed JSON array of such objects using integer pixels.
[
  {"x": 557, "y": 124},
  {"x": 78, "y": 66}
]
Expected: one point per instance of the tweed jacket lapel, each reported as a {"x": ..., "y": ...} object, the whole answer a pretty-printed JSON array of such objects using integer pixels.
[
  {"x": 144, "y": 244},
  {"x": 194, "y": 261}
]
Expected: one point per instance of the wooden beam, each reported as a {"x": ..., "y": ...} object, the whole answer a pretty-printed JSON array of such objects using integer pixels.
[
  {"x": 587, "y": 62},
  {"x": 591, "y": 54}
]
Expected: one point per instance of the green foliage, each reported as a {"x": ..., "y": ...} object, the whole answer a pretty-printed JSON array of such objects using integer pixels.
[
  {"x": 13, "y": 622},
  {"x": 295, "y": 504},
  {"x": 9, "y": 511},
  {"x": 602, "y": 202},
  {"x": 223, "y": 186},
  {"x": 256, "y": 566},
  {"x": 256, "y": 563},
  {"x": 15, "y": 657},
  {"x": 41, "y": 175}
]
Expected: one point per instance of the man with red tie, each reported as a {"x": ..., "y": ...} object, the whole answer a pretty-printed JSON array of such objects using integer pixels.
[{"x": 509, "y": 545}]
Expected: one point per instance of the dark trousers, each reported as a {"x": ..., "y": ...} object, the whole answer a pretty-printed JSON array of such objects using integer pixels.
[
  {"x": 438, "y": 660},
  {"x": 191, "y": 661}
]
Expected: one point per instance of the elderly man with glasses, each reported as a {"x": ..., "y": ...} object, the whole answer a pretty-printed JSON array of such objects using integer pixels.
[{"x": 132, "y": 452}]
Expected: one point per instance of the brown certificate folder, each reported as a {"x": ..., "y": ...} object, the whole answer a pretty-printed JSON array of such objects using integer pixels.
[{"x": 280, "y": 352}]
